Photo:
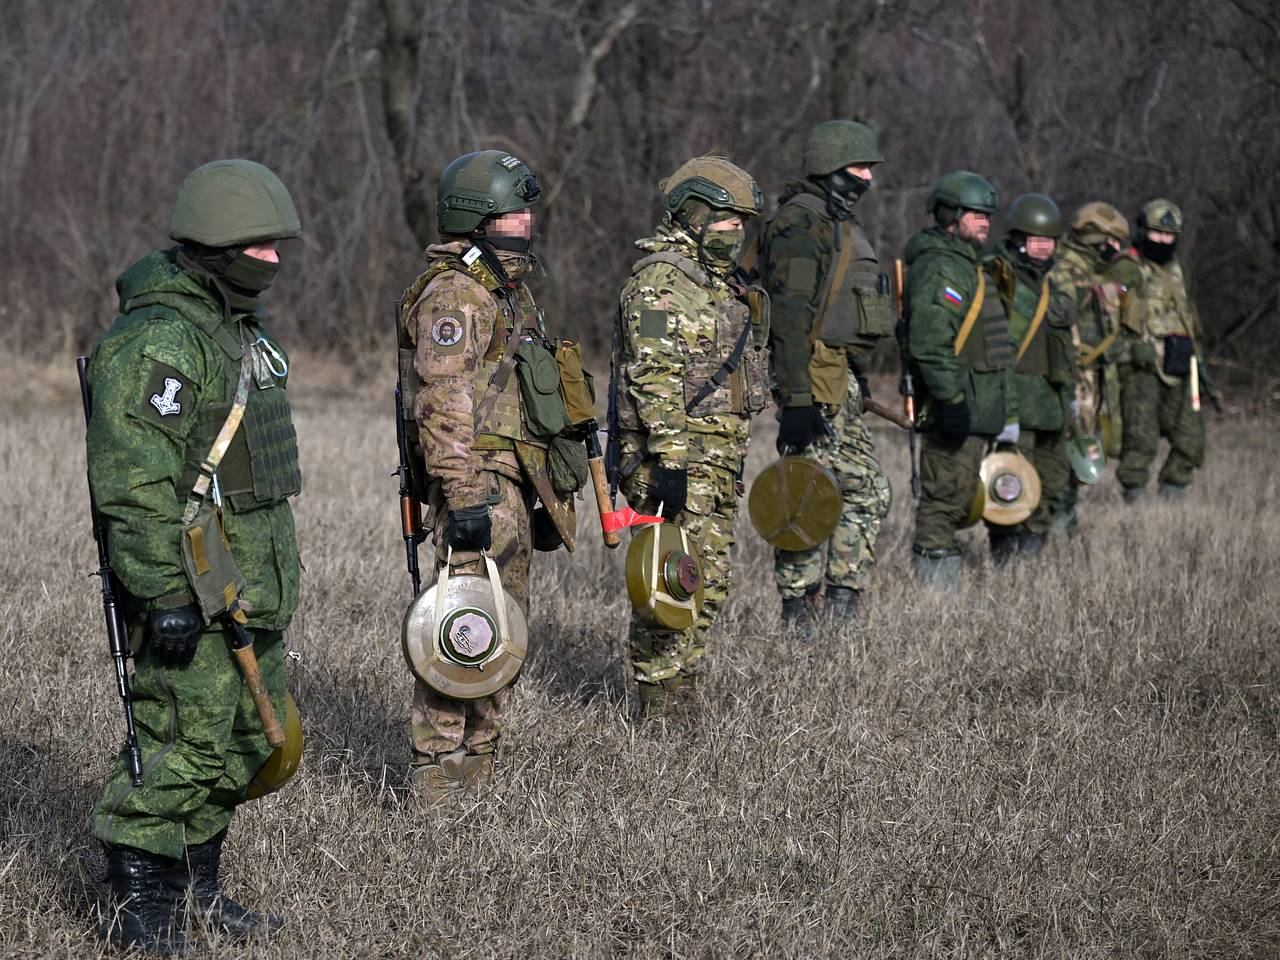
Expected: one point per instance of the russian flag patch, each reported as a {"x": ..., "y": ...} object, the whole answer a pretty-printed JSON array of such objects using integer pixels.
[{"x": 953, "y": 295}]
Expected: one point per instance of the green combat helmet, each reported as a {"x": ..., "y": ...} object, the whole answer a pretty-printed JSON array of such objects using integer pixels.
[
  {"x": 1096, "y": 221},
  {"x": 476, "y": 186},
  {"x": 1035, "y": 215},
  {"x": 1160, "y": 215},
  {"x": 963, "y": 190},
  {"x": 715, "y": 182},
  {"x": 232, "y": 203},
  {"x": 835, "y": 144}
]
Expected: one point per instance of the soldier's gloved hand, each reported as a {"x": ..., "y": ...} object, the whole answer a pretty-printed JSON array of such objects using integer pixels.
[
  {"x": 470, "y": 528},
  {"x": 671, "y": 489},
  {"x": 1010, "y": 433},
  {"x": 172, "y": 635},
  {"x": 954, "y": 422},
  {"x": 864, "y": 387},
  {"x": 801, "y": 427}
]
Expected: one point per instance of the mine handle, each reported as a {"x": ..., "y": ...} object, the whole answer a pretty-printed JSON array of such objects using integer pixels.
[
  {"x": 242, "y": 647},
  {"x": 117, "y": 632},
  {"x": 600, "y": 484},
  {"x": 410, "y": 508}
]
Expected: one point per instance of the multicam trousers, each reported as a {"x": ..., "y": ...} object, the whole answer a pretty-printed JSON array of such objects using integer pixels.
[{"x": 1154, "y": 409}]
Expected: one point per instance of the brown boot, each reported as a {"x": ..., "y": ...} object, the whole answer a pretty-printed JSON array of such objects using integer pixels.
[
  {"x": 675, "y": 700},
  {"x": 443, "y": 782}
]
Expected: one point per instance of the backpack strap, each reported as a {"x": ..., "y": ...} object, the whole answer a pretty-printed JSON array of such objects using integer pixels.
[
  {"x": 1042, "y": 307},
  {"x": 971, "y": 317}
]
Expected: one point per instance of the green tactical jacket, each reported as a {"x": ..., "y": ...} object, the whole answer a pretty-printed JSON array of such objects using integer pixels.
[
  {"x": 162, "y": 380},
  {"x": 1045, "y": 375},
  {"x": 942, "y": 280},
  {"x": 800, "y": 253}
]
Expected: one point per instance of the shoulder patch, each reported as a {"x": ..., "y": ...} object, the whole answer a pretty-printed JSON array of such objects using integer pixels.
[
  {"x": 802, "y": 274},
  {"x": 653, "y": 324},
  {"x": 166, "y": 395},
  {"x": 448, "y": 332}
]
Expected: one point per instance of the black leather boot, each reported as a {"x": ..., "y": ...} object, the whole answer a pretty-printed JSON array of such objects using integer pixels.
[
  {"x": 142, "y": 903},
  {"x": 844, "y": 606},
  {"x": 800, "y": 614},
  {"x": 212, "y": 905}
]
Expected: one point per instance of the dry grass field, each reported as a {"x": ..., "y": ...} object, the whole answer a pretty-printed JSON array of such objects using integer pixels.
[{"x": 1073, "y": 759}]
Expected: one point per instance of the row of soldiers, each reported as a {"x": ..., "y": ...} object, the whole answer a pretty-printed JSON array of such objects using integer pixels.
[{"x": 193, "y": 454}]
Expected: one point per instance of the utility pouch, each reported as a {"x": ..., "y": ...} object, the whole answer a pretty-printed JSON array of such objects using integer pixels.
[
  {"x": 828, "y": 374},
  {"x": 1178, "y": 351},
  {"x": 577, "y": 386},
  {"x": 875, "y": 311},
  {"x": 567, "y": 464},
  {"x": 545, "y": 414},
  {"x": 757, "y": 301},
  {"x": 211, "y": 572}
]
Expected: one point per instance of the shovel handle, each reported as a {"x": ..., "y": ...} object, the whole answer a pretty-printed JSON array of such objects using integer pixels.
[{"x": 248, "y": 661}]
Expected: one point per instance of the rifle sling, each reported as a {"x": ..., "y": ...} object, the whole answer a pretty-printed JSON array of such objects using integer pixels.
[
  {"x": 209, "y": 466},
  {"x": 971, "y": 317},
  {"x": 1041, "y": 309},
  {"x": 724, "y": 373}
]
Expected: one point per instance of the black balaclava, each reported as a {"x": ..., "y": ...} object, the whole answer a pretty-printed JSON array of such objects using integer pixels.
[
  {"x": 843, "y": 190},
  {"x": 240, "y": 279},
  {"x": 1160, "y": 253}
]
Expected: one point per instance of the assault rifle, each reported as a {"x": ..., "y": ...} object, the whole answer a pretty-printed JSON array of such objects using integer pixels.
[
  {"x": 410, "y": 508},
  {"x": 117, "y": 632},
  {"x": 906, "y": 384}
]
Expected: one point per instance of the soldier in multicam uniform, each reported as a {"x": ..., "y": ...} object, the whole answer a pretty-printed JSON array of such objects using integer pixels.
[
  {"x": 1040, "y": 318},
  {"x": 462, "y": 321},
  {"x": 1095, "y": 268},
  {"x": 829, "y": 307},
  {"x": 693, "y": 371},
  {"x": 1163, "y": 336},
  {"x": 164, "y": 380},
  {"x": 962, "y": 357}
]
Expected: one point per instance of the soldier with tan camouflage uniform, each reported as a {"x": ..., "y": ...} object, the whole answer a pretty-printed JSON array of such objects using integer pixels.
[
  {"x": 692, "y": 372},
  {"x": 1163, "y": 335},
  {"x": 1091, "y": 266},
  {"x": 464, "y": 321},
  {"x": 829, "y": 306}
]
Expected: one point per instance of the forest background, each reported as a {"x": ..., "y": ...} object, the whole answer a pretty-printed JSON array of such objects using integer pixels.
[{"x": 358, "y": 104}]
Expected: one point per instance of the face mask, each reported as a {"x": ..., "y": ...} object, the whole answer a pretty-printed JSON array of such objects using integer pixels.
[
  {"x": 249, "y": 274},
  {"x": 723, "y": 246},
  {"x": 843, "y": 191},
  {"x": 521, "y": 245},
  {"x": 1106, "y": 252},
  {"x": 1160, "y": 253}
]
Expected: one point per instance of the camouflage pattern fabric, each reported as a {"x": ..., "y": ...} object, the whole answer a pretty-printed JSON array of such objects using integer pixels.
[
  {"x": 846, "y": 560},
  {"x": 674, "y": 332},
  {"x": 438, "y": 724},
  {"x": 1154, "y": 409},
  {"x": 710, "y": 519},
  {"x": 201, "y": 742},
  {"x": 948, "y": 478},
  {"x": 461, "y": 325},
  {"x": 165, "y": 370}
]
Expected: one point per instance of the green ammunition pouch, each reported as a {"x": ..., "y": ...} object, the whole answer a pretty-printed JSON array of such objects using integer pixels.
[
  {"x": 211, "y": 571},
  {"x": 567, "y": 464},
  {"x": 576, "y": 385},
  {"x": 545, "y": 413},
  {"x": 1178, "y": 351}
]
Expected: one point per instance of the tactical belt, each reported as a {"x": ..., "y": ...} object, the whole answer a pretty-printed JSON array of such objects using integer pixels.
[
  {"x": 1041, "y": 308},
  {"x": 209, "y": 466}
]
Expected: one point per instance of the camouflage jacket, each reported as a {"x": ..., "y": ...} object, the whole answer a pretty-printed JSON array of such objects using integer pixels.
[
  {"x": 1166, "y": 309},
  {"x": 677, "y": 325},
  {"x": 459, "y": 326},
  {"x": 1045, "y": 361},
  {"x": 1099, "y": 296},
  {"x": 801, "y": 247},
  {"x": 162, "y": 380},
  {"x": 942, "y": 282}
]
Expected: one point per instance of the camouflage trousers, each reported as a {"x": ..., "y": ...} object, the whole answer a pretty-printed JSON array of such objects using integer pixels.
[
  {"x": 440, "y": 724},
  {"x": 201, "y": 741},
  {"x": 948, "y": 479},
  {"x": 1047, "y": 452},
  {"x": 710, "y": 517},
  {"x": 1153, "y": 409},
  {"x": 847, "y": 558}
]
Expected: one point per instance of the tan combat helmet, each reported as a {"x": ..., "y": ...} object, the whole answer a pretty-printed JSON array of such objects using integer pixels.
[
  {"x": 1160, "y": 214},
  {"x": 715, "y": 182},
  {"x": 1097, "y": 221}
]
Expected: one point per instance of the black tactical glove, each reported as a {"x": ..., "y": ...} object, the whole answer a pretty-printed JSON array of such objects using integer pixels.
[
  {"x": 671, "y": 489},
  {"x": 953, "y": 422},
  {"x": 470, "y": 528},
  {"x": 172, "y": 635},
  {"x": 863, "y": 386},
  {"x": 801, "y": 426}
]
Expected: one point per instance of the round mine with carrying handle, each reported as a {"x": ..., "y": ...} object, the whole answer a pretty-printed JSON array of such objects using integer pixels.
[
  {"x": 1011, "y": 487},
  {"x": 795, "y": 503},
  {"x": 664, "y": 576}
]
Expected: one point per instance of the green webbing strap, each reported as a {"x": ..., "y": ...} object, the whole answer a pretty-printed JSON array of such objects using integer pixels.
[{"x": 220, "y": 444}]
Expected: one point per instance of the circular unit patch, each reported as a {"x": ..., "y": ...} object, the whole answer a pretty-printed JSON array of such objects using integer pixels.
[{"x": 446, "y": 331}]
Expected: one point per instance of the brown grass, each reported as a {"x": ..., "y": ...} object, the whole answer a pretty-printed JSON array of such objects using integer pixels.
[{"x": 1077, "y": 759}]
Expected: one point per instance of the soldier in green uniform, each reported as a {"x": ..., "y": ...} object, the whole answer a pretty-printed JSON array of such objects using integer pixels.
[
  {"x": 1163, "y": 337},
  {"x": 190, "y": 340},
  {"x": 467, "y": 323},
  {"x": 962, "y": 356},
  {"x": 829, "y": 307},
  {"x": 1095, "y": 268},
  {"x": 1040, "y": 318},
  {"x": 692, "y": 371}
]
